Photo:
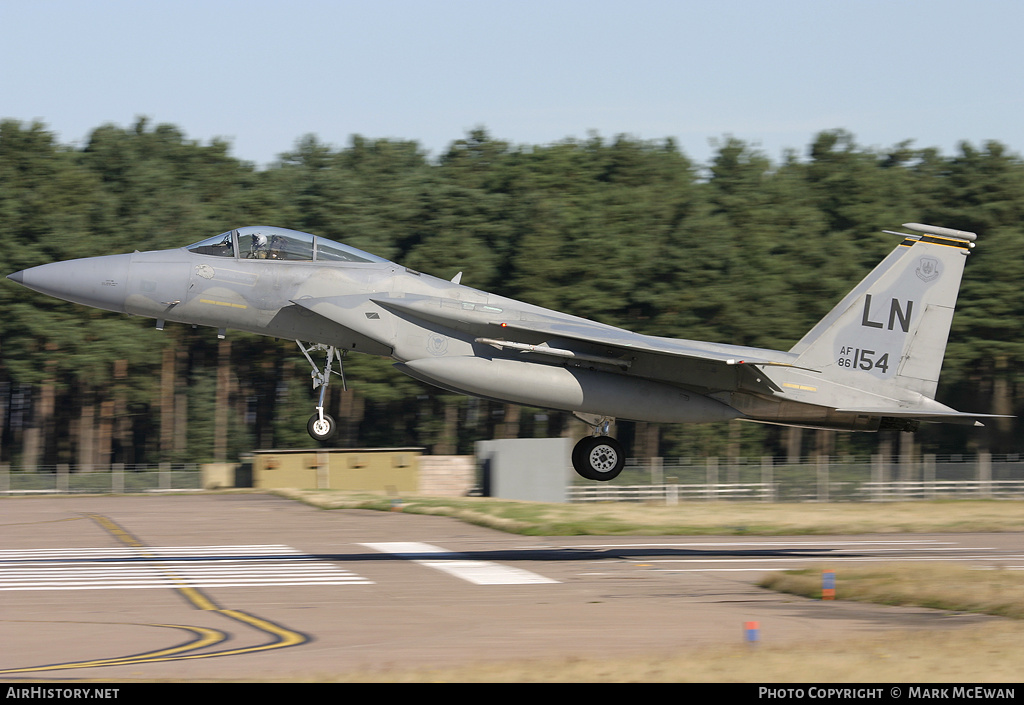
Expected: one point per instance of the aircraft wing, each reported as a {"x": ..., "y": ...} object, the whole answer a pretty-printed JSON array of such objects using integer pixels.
[
  {"x": 537, "y": 330},
  {"x": 578, "y": 338},
  {"x": 624, "y": 342},
  {"x": 585, "y": 340}
]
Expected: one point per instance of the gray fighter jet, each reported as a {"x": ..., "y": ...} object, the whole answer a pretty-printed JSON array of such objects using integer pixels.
[{"x": 872, "y": 363}]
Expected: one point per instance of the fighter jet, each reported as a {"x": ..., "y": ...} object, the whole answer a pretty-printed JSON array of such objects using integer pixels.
[{"x": 872, "y": 363}]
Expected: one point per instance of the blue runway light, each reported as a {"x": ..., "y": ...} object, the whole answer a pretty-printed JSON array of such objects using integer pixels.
[{"x": 828, "y": 585}]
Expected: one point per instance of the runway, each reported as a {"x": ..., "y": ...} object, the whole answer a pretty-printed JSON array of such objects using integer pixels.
[{"x": 248, "y": 586}]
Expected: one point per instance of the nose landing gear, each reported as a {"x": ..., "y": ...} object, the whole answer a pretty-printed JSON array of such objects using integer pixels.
[{"x": 321, "y": 426}]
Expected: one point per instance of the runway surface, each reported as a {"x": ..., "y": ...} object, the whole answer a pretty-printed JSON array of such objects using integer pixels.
[{"x": 251, "y": 586}]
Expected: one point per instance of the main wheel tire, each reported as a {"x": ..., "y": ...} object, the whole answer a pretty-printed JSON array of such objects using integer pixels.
[
  {"x": 598, "y": 458},
  {"x": 321, "y": 430}
]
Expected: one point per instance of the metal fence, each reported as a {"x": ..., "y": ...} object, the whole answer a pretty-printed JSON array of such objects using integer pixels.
[
  {"x": 818, "y": 479},
  {"x": 668, "y": 480},
  {"x": 116, "y": 479},
  {"x": 672, "y": 493}
]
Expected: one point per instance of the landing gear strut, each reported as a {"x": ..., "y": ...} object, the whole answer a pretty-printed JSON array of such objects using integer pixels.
[
  {"x": 321, "y": 426},
  {"x": 598, "y": 457}
]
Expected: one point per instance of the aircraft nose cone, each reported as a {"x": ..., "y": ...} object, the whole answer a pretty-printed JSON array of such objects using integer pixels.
[{"x": 95, "y": 281}]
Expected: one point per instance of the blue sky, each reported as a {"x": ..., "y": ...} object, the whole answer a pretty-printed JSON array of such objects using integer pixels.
[{"x": 262, "y": 74}]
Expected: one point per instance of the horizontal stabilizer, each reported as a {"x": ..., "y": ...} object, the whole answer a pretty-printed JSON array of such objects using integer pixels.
[{"x": 936, "y": 416}]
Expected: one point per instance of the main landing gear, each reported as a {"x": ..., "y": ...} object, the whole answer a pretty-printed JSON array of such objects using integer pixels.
[
  {"x": 598, "y": 457},
  {"x": 322, "y": 426}
]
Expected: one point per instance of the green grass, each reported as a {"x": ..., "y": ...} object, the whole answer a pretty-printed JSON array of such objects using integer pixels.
[
  {"x": 691, "y": 518},
  {"x": 994, "y": 591},
  {"x": 990, "y": 654}
]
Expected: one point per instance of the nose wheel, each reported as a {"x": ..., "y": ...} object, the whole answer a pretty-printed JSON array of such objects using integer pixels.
[{"x": 322, "y": 426}]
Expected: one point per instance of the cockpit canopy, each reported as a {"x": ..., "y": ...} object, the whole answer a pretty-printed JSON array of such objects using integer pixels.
[{"x": 261, "y": 242}]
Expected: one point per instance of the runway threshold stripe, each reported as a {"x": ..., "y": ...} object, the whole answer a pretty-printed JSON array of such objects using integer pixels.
[
  {"x": 164, "y": 584},
  {"x": 170, "y": 553},
  {"x": 459, "y": 566},
  {"x": 185, "y": 567}
]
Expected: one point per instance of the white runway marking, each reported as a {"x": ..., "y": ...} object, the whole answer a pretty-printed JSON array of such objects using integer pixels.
[
  {"x": 150, "y": 567},
  {"x": 477, "y": 572}
]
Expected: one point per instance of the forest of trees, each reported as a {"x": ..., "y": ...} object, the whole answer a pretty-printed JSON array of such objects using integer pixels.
[{"x": 633, "y": 233}]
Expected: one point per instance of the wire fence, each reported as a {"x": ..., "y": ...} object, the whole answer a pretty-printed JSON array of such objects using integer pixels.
[
  {"x": 114, "y": 479},
  {"x": 817, "y": 479},
  {"x": 668, "y": 480}
]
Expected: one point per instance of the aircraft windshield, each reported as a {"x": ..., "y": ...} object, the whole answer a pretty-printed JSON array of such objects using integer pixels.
[
  {"x": 258, "y": 242},
  {"x": 221, "y": 245}
]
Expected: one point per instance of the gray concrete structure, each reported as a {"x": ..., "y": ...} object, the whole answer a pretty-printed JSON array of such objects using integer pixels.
[{"x": 533, "y": 469}]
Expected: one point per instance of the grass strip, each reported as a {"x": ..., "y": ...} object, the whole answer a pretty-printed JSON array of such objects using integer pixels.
[{"x": 690, "y": 518}]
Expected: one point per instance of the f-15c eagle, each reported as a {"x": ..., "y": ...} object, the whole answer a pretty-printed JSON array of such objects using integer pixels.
[{"x": 872, "y": 363}]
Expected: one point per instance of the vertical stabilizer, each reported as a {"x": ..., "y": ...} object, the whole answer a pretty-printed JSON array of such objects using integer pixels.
[{"x": 891, "y": 330}]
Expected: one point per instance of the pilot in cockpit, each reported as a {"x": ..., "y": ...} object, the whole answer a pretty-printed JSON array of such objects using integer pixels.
[{"x": 258, "y": 248}]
